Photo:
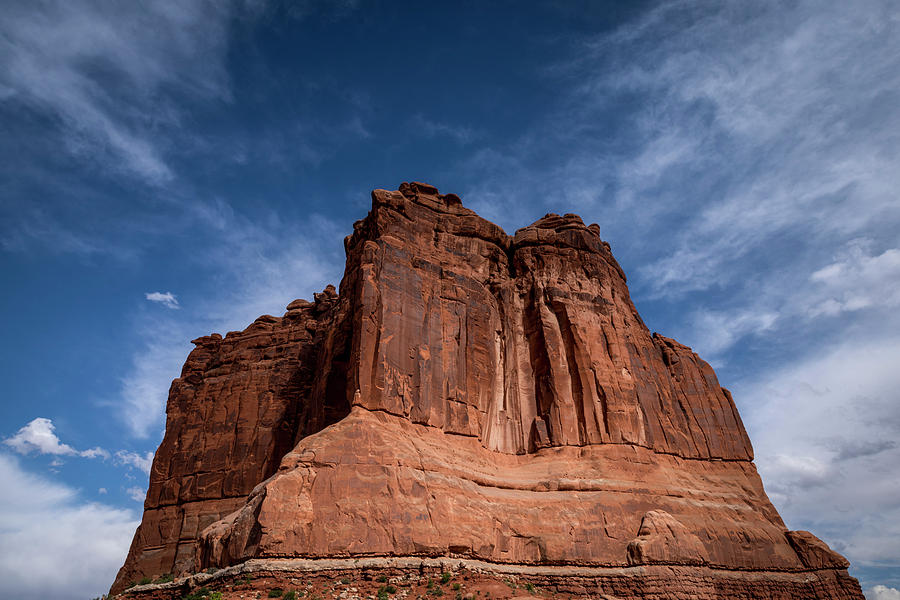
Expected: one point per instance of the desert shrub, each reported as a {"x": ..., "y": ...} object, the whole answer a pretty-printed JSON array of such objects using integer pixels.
[
  {"x": 381, "y": 579},
  {"x": 529, "y": 587},
  {"x": 145, "y": 581},
  {"x": 436, "y": 591},
  {"x": 292, "y": 595},
  {"x": 445, "y": 577},
  {"x": 200, "y": 594},
  {"x": 215, "y": 596},
  {"x": 165, "y": 578},
  {"x": 276, "y": 593},
  {"x": 345, "y": 580},
  {"x": 456, "y": 587}
]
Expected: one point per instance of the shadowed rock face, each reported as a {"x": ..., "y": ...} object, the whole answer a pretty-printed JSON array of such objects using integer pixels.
[{"x": 468, "y": 394}]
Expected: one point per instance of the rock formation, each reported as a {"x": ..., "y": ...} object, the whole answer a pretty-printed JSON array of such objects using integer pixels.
[{"x": 475, "y": 395}]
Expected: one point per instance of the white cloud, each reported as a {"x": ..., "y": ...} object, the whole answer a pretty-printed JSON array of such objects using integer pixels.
[
  {"x": 882, "y": 592},
  {"x": 824, "y": 432},
  {"x": 716, "y": 331},
  {"x": 137, "y": 494},
  {"x": 857, "y": 280},
  {"x": 102, "y": 490},
  {"x": 95, "y": 452},
  {"x": 797, "y": 84},
  {"x": 43, "y": 525},
  {"x": 165, "y": 343},
  {"x": 143, "y": 462},
  {"x": 38, "y": 436},
  {"x": 167, "y": 299}
]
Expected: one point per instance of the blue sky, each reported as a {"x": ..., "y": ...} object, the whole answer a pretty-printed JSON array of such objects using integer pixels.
[{"x": 181, "y": 168}]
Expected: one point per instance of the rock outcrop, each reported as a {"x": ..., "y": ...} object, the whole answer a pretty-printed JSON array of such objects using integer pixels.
[{"x": 468, "y": 394}]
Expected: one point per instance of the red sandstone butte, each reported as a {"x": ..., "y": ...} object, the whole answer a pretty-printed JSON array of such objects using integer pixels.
[{"x": 475, "y": 395}]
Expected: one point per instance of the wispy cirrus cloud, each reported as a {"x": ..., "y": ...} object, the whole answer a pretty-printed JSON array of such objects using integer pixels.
[
  {"x": 108, "y": 74},
  {"x": 421, "y": 125},
  {"x": 716, "y": 142},
  {"x": 136, "y": 493},
  {"x": 139, "y": 461}
]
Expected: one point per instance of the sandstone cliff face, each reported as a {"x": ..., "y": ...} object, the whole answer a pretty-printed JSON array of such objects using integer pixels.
[
  {"x": 240, "y": 404},
  {"x": 468, "y": 394}
]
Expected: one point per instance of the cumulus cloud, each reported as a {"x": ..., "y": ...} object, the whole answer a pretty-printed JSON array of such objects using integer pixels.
[
  {"x": 167, "y": 299},
  {"x": 882, "y": 592},
  {"x": 40, "y": 436},
  {"x": 43, "y": 525}
]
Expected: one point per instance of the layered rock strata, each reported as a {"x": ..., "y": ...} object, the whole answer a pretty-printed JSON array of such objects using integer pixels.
[{"x": 468, "y": 394}]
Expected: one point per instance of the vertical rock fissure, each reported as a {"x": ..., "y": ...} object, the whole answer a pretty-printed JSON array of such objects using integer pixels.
[
  {"x": 604, "y": 408},
  {"x": 537, "y": 354},
  {"x": 578, "y": 395}
]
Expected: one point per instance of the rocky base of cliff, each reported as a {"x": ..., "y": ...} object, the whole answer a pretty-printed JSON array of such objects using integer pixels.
[{"x": 399, "y": 578}]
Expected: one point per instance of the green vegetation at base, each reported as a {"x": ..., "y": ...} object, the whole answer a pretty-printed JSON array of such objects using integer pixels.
[{"x": 203, "y": 594}]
